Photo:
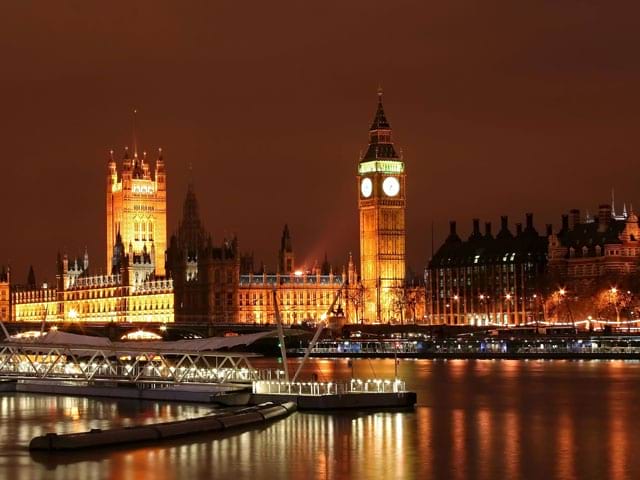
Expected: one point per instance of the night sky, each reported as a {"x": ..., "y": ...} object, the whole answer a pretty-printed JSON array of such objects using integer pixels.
[{"x": 500, "y": 107}]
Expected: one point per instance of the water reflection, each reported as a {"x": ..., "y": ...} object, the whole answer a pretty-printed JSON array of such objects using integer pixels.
[{"x": 476, "y": 419}]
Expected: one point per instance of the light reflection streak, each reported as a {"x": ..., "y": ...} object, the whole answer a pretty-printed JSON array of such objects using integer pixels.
[{"x": 480, "y": 420}]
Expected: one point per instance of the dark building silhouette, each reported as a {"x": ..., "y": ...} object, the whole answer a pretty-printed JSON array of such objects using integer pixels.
[{"x": 487, "y": 279}]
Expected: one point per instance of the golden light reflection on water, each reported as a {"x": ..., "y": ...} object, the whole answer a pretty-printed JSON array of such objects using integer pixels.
[{"x": 484, "y": 420}]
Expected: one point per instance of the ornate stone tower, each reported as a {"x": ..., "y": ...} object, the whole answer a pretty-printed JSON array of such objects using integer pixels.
[
  {"x": 137, "y": 208},
  {"x": 381, "y": 204}
]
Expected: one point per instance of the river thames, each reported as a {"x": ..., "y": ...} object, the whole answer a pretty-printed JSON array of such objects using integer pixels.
[{"x": 477, "y": 419}]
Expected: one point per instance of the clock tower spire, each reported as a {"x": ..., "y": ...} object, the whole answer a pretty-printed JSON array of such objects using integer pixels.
[{"x": 381, "y": 205}]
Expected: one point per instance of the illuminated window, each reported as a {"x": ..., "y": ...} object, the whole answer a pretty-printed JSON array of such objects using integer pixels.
[
  {"x": 151, "y": 231},
  {"x": 144, "y": 231},
  {"x": 136, "y": 230}
]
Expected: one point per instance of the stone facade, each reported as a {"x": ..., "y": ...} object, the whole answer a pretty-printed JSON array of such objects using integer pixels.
[
  {"x": 136, "y": 203},
  {"x": 587, "y": 250},
  {"x": 131, "y": 293},
  {"x": 381, "y": 205}
]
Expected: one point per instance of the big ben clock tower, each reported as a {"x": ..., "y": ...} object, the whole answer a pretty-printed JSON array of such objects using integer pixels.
[{"x": 381, "y": 204}]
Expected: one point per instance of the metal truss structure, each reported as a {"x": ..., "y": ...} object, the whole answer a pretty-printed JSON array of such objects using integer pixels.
[{"x": 135, "y": 364}]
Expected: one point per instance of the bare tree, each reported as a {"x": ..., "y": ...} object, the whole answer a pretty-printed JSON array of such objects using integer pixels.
[
  {"x": 405, "y": 301},
  {"x": 354, "y": 296}
]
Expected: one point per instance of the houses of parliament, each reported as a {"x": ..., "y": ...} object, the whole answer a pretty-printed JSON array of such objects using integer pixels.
[{"x": 189, "y": 278}]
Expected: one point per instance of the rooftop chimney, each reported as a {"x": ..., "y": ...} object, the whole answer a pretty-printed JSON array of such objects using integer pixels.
[
  {"x": 529, "y": 221},
  {"x": 574, "y": 218},
  {"x": 604, "y": 217},
  {"x": 476, "y": 226},
  {"x": 504, "y": 222},
  {"x": 518, "y": 229},
  {"x": 452, "y": 228},
  {"x": 549, "y": 229},
  {"x": 565, "y": 223}
]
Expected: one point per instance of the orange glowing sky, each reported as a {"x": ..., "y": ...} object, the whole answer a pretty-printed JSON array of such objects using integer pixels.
[{"x": 500, "y": 107}]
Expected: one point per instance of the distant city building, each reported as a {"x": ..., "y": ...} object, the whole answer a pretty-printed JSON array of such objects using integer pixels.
[
  {"x": 381, "y": 204},
  {"x": 486, "y": 279},
  {"x": 587, "y": 249}
]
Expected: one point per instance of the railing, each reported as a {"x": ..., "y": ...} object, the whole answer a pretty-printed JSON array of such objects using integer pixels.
[{"x": 329, "y": 388}]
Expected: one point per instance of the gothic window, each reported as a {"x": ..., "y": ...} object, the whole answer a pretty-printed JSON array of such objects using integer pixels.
[
  {"x": 136, "y": 230},
  {"x": 150, "y": 231},
  {"x": 144, "y": 232}
]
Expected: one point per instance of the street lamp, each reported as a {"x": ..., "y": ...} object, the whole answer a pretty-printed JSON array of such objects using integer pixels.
[
  {"x": 483, "y": 299},
  {"x": 507, "y": 297},
  {"x": 561, "y": 294},
  {"x": 456, "y": 299},
  {"x": 614, "y": 300}
]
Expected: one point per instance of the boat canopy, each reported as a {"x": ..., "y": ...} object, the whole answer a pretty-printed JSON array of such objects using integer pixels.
[{"x": 73, "y": 340}]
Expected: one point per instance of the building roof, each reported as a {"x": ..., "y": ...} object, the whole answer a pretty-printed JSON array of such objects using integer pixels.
[
  {"x": 484, "y": 249},
  {"x": 380, "y": 140},
  {"x": 589, "y": 235}
]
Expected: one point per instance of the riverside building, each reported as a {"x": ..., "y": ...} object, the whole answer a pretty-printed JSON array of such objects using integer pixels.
[
  {"x": 217, "y": 284},
  {"x": 381, "y": 206},
  {"x": 487, "y": 279},
  {"x": 588, "y": 249},
  {"x": 134, "y": 289},
  {"x": 190, "y": 279}
]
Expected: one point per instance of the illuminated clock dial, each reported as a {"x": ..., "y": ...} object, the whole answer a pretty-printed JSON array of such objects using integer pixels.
[
  {"x": 391, "y": 186},
  {"x": 366, "y": 187}
]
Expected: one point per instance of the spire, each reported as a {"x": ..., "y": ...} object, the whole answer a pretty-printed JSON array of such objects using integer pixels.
[
  {"x": 588, "y": 217},
  {"x": 380, "y": 138},
  {"x": 380, "y": 120},
  {"x": 285, "y": 255},
  {"x": 31, "y": 278},
  {"x": 624, "y": 210},
  {"x": 613, "y": 202},
  {"x": 632, "y": 217},
  {"x": 191, "y": 233},
  {"x": 285, "y": 243},
  {"x": 135, "y": 135},
  {"x": 325, "y": 269}
]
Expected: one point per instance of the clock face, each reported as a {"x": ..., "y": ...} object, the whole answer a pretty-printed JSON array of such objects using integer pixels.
[
  {"x": 366, "y": 187},
  {"x": 391, "y": 186}
]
